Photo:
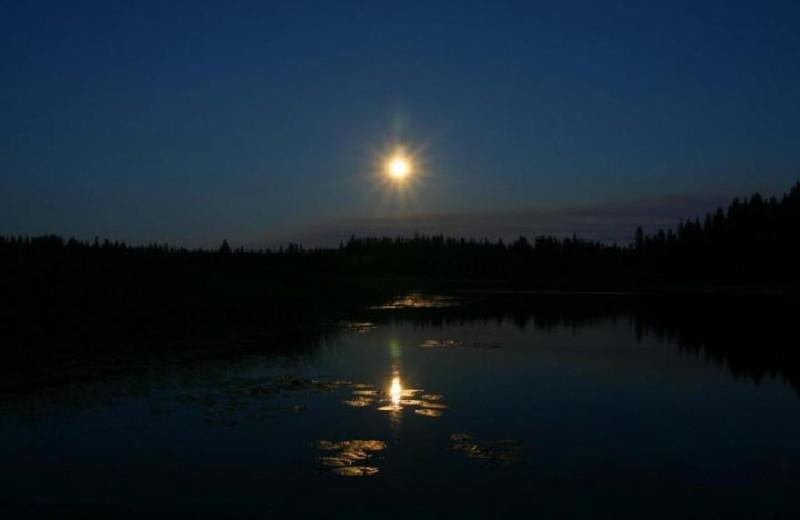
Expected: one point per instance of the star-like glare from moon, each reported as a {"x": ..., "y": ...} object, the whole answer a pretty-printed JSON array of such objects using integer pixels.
[
  {"x": 398, "y": 173},
  {"x": 398, "y": 167}
]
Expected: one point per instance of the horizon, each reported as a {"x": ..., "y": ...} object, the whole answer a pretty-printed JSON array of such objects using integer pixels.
[{"x": 608, "y": 223}]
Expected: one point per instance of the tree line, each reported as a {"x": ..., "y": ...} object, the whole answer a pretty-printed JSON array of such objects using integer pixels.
[{"x": 754, "y": 240}]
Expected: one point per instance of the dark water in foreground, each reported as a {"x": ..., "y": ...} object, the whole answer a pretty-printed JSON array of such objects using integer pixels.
[{"x": 469, "y": 415}]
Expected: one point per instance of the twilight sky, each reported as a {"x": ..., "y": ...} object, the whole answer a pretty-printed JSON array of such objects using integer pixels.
[{"x": 263, "y": 122}]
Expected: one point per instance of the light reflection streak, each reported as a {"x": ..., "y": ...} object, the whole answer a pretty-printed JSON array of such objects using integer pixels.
[
  {"x": 396, "y": 390},
  {"x": 395, "y": 397}
]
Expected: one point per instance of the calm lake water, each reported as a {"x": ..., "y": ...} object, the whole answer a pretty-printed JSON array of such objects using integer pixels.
[{"x": 431, "y": 408}]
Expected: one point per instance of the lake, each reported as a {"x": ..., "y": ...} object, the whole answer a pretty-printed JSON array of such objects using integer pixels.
[{"x": 460, "y": 406}]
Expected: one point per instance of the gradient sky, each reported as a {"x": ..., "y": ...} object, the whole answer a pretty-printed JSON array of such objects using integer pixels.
[{"x": 189, "y": 122}]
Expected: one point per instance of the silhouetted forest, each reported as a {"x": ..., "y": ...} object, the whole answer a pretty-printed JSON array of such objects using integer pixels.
[{"x": 754, "y": 241}]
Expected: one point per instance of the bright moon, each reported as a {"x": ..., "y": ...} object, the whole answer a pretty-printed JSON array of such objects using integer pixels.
[{"x": 399, "y": 167}]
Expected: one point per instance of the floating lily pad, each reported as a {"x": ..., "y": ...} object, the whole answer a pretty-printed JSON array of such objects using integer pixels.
[
  {"x": 365, "y": 445},
  {"x": 357, "y": 326},
  {"x": 356, "y": 471},
  {"x": 358, "y": 402},
  {"x": 326, "y": 445},
  {"x": 334, "y": 382},
  {"x": 334, "y": 462},
  {"x": 350, "y": 453},
  {"x": 412, "y": 402},
  {"x": 496, "y": 452},
  {"x": 368, "y": 392},
  {"x": 354, "y": 455},
  {"x": 361, "y": 385},
  {"x": 432, "y": 397},
  {"x": 354, "y": 445},
  {"x": 437, "y": 343}
]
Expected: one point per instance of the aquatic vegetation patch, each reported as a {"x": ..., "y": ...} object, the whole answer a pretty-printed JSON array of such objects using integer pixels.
[
  {"x": 497, "y": 453},
  {"x": 453, "y": 343},
  {"x": 354, "y": 444},
  {"x": 411, "y": 402},
  {"x": 356, "y": 471},
  {"x": 361, "y": 386},
  {"x": 333, "y": 462},
  {"x": 349, "y": 461},
  {"x": 288, "y": 385},
  {"x": 358, "y": 402},
  {"x": 396, "y": 399},
  {"x": 360, "y": 327},
  {"x": 368, "y": 392},
  {"x": 432, "y": 397},
  {"x": 436, "y": 343},
  {"x": 245, "y": 399}
]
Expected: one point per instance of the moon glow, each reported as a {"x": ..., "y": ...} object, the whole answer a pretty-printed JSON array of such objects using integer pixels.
[{"x": 398, "y": 167}]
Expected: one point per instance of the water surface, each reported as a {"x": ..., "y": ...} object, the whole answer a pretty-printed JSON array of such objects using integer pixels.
[{"x": 426, "y": 408}]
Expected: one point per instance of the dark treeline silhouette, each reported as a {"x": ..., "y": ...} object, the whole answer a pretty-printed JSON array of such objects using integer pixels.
[{"x": 754, "y": 241}]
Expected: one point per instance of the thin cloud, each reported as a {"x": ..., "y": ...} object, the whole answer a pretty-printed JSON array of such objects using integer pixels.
[{"x": 607, "y": 222}]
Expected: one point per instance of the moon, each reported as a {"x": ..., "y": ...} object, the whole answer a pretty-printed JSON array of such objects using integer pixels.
[{"x": 398, "y": 167}]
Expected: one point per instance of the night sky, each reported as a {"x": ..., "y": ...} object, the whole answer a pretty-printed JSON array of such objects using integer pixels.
[{"x": 261, "y": 122}]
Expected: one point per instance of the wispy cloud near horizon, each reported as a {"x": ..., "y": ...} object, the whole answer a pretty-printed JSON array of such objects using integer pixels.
[{"x": 606, "y": 222}]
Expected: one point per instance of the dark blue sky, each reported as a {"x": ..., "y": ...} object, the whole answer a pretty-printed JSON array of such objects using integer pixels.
[{"x": 192, "y": 121}]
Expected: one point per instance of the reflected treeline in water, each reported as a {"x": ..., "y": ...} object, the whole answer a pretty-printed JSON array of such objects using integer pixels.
[
  {"x": 751, "y": 336},
  {"x": 86, "y": 331},
  {"x": 64, "y": 380}
]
